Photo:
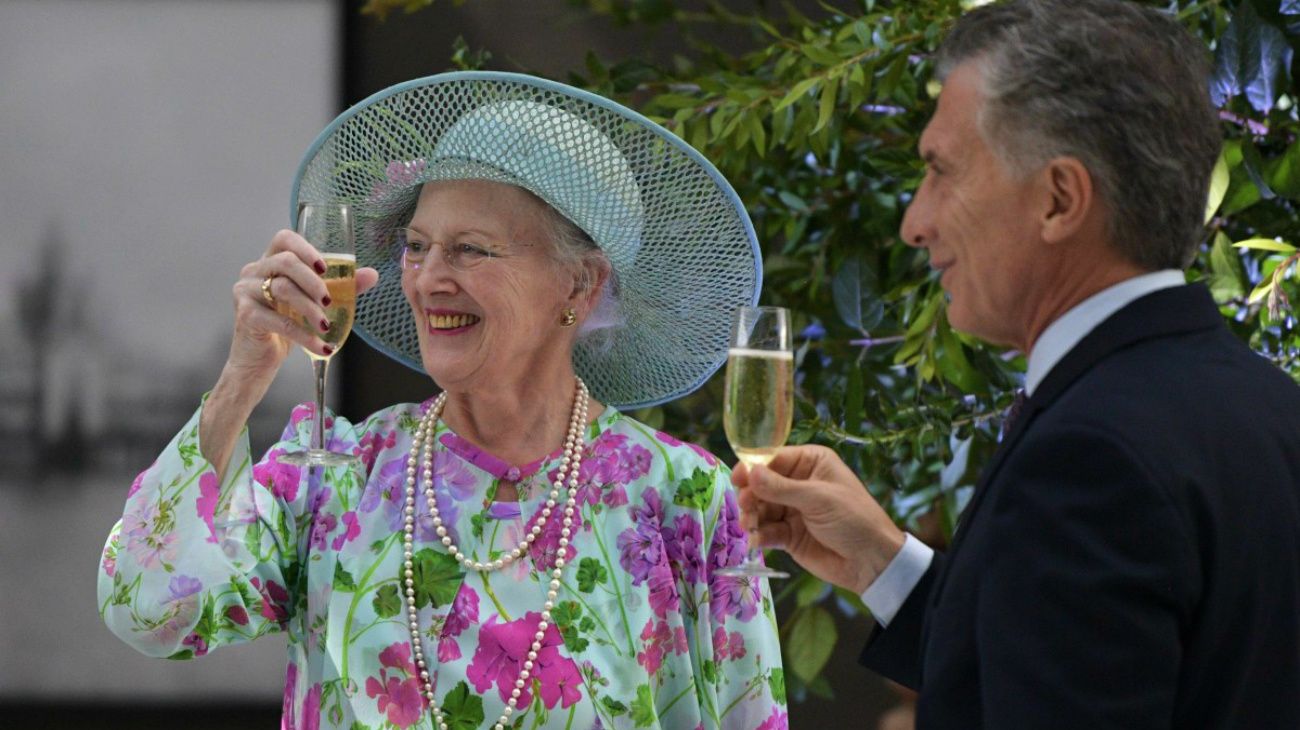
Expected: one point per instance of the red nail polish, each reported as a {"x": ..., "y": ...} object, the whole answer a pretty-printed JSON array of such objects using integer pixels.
[
  {"x": 326, "y": 300},
  {"x": 324, "y": 325},
  {"x": 320, "y": 267}
]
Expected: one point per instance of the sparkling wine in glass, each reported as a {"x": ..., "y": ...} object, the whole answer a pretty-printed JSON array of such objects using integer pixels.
[
  {"x": 758, "y": 401},
  {"x": 328, "y": 227}
]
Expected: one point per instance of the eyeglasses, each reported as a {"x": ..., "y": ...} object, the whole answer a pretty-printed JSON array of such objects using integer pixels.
[{"x": 413, "y": 251}]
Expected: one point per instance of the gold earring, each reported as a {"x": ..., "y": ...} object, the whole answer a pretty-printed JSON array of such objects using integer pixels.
[{"x": 568, "y": 317}]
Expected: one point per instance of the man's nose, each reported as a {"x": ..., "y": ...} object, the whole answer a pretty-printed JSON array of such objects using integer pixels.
[{"x": 915, "y": 229}]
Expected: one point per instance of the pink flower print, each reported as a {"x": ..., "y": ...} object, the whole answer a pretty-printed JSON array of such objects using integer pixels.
[
  {"x": 282, "y": 479},
  {"x": 206, "y": 505},
  {"x": 448, "y": 649},
  {"x": 615, "y": 496},
  {"x": 110, "y": 555},
  {"x": 560, "y": 680},
  {"x": 546, "y": 547},
  {"x": 351, "y": 529},
  {"x": 144, "y": 543},
  {"x": 663, "y": 590},
  {"x": 684, "y": 545},
  {"x": 501, "y": 649},
  {"x": 778, "y": 720},
  {"x": 139, "y": 479},
  {"x": 736, "y": 645},
  {"x": 238, "y": 615},
  {"x": 737, "y": 596},
  {"x": 400, "y": 699},
  {"x": 399, "y": 174},
  {"x": 311, "y": 708},
  {"x": 275, "y": 600},
  {"x": 728, "y": 646},
  {"x": 729, "y": 544},
  {"x": 373, "y": 443},
  {"x": 398, "y": 656},
  {"x": 709, "y": 459},
  {"x": 301, "y": 412},
  {"x": 196, "y": 643},
  {"x": 182, "y": 587},
  {"x": 658, "y": 640},
  {"x": 286, "y": 704},
  {"x": 640, "y": 551},
  {"x": 464, "y": 612},
  {"x": 321, "y": 528}
]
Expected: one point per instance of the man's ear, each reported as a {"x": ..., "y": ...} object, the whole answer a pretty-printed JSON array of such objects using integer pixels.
[{"x": 1069, "y": 201}]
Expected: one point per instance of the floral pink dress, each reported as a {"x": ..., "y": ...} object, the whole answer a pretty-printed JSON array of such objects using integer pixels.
[{"x": 644, "y": 634}]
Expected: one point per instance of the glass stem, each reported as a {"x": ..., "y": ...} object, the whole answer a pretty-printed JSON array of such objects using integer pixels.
[{"x": 320, "y": 367}]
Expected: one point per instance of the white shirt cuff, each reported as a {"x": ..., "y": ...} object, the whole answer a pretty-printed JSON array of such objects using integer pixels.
[{"x": 891, "y": 588}]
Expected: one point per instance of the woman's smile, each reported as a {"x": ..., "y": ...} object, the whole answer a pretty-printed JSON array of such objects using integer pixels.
[{"x": 444, "y": 322}]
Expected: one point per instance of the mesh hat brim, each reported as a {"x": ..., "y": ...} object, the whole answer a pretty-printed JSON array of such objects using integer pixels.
[{"x": 676, "y": 233}]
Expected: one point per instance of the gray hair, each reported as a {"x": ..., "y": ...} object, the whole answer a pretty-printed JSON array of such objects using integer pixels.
[
  {"x": 574, "y": 251},
  {"x": 1120, "y": 87}
]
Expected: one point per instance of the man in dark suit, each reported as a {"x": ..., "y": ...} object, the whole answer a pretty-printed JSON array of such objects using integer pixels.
[{"x": 1131, "y": 555}]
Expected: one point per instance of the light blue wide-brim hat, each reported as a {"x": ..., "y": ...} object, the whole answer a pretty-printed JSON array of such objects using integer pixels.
[{"x": 674, "y": 230}]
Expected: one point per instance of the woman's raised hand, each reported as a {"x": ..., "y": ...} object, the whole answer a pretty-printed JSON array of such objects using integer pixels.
[{"x": 272, "y": 296}]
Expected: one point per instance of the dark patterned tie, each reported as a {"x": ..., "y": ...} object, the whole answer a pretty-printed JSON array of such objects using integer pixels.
[{"x": 1013, "y": 412}]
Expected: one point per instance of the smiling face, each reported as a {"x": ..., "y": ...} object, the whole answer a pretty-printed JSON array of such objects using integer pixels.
[
  {"x": 499, "y": 322},
  {"x": 977, "y": 220}
]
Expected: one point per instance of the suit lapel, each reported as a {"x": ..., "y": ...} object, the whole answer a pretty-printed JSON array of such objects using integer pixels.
[{"x": 1158, "y": 314}]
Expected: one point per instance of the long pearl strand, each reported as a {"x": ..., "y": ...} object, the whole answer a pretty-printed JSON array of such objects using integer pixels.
[{"x": 569, "y": 465}]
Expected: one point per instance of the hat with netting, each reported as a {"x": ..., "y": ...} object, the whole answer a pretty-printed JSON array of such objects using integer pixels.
[{"x": 680, "y": 242}]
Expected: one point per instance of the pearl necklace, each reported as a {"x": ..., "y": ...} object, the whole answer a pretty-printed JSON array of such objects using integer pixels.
[{"x": 569, "y": 464}]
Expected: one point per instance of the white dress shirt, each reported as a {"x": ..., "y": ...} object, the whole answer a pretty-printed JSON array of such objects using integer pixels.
[{"x": 891, "y": 588}]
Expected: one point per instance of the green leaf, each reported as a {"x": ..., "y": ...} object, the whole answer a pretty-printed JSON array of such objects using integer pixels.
[
  {"x": 567, "y": 613},
  {"x": 437, "y": 578},
  {"x": 710, "y": 671},
  {"x": 812, "y": 639},
  {"x": 387, "y": 602},
  {"x": 1266, "y": 244},
  {"x": 853, "y": 400},
  {"x": 796, "y": 93},
  {"x": 462, "y": 709},
  {"x": 776, "y": 681},
  {"x": 826, "y": 106},
  {"x": 343, "y": 580},
  {"x": 1227, "y": 276},
  {"x": 811, "y": 590},
  {"x": 954, "y": 364},
  {"x": 1264, "y": 289},
  {"x": 614, "y": 707},
  {"x": 1250, "y": 57},
  {"x": 695, "y": 491},
  {"x": 643, "y": 707},
  {"x": 1254, "y": 167},
  {"x": 1218, "y": 187},
  {"x": 1284, "y": 173},
  {"x": 794, "y": 202},
  {"x": 854, "y": 292},
  {"x": 591, "y": 572}
]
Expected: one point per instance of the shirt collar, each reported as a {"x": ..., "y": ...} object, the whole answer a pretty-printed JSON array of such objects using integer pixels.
[{"x": 1062, "y": 335}]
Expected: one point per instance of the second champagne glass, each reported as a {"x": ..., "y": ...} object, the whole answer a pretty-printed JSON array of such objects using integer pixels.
[
  {"x": 758, "y": 401},
  {"x": 328, "y": 227}
]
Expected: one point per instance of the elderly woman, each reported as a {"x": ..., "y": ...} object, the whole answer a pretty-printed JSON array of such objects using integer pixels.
[{"x": 514, "y": 552}]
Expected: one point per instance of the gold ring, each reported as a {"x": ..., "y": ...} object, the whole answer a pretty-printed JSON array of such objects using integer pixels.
[{"x": 266, "y": 290}]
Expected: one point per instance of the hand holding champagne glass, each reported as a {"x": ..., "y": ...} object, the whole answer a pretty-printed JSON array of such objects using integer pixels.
[
  {"x": 328, "y": 227},
  {"x": 758, "y": 403}
]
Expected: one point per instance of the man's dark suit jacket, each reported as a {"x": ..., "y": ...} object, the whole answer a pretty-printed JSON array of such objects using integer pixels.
[{"x": 1131, "y": 555}]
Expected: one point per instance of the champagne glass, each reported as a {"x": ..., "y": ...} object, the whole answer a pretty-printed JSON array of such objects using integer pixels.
[
  {"x": 328, "y": 227},
  {"x": 758, "y": 405}
]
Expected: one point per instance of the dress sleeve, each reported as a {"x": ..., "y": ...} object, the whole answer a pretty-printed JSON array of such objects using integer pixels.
[
  {"x": 735, "y": 642},
  {"x": 194, "y": 564}
]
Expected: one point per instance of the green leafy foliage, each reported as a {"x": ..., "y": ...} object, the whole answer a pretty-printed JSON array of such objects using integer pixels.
[
  {"x": 437, "y": 578},
  {"x": 815, "y": 123}
]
